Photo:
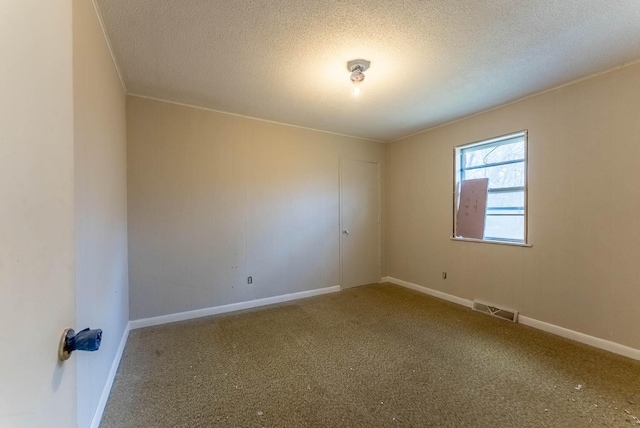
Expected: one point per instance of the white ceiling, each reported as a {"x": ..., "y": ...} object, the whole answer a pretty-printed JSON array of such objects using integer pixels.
[{"x": 431, "y": 61}]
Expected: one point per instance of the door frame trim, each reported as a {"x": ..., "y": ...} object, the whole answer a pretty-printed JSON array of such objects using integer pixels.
[{"x": 341, "y": 162}]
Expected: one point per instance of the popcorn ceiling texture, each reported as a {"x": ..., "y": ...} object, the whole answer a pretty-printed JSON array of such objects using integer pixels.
[{"x": 431, "y": 61}]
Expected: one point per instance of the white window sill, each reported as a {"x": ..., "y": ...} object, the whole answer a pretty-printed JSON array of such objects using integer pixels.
[{"x": 512, "y": 244}]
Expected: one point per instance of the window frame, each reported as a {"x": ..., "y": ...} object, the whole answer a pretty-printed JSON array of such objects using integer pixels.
[{"x": 457, "y": 152}]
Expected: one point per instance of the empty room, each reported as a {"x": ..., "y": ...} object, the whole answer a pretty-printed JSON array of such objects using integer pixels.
[{"x": 319, "y": 214}]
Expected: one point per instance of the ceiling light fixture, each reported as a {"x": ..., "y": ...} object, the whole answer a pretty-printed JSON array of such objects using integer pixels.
[{"x": 357, "y": 68}]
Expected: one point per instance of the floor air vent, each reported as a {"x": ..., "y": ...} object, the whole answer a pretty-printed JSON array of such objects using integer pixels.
[{"x": 505, "y": 314}]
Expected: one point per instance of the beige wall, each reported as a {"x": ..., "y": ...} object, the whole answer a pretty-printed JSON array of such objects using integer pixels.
[
  {"x": 582, "y": 272},
  {"x": 37, "y": 299},
  {"x": 215, "y": 198},
  {"x": 102, "y": 292}
]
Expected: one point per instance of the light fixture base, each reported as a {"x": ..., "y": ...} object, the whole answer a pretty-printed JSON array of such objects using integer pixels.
[
  {"x": 353, "y": 65},
  {"x": 357, "y": 68}
]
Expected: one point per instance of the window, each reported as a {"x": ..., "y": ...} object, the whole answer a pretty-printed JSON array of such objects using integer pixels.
[{"x": 503, "y": 161}]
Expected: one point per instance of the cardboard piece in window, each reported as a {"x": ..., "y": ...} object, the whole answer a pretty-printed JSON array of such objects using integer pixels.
[{"x": 472, "y": 208}]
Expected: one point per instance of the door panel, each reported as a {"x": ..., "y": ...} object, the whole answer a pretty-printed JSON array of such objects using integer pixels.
[{"x": 360, "y": 232}]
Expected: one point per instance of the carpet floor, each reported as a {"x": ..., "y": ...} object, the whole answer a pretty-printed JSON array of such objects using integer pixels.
[{"x": 373, "y": 356}]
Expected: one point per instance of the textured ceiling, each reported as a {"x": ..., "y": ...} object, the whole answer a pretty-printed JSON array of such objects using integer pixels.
[{"x": 431, "y": 61}]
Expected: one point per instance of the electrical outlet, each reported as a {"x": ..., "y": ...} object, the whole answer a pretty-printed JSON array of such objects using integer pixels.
[
  {"x": 444, "y": 275},
  {"x": 250, "y": 280}
]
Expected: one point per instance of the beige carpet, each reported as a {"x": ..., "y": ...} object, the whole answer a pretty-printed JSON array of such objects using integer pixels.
[{"x": 373, "y": 356}]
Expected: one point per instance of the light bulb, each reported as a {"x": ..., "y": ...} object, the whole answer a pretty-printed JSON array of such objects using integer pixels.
[{"x": 356, "y": 90}]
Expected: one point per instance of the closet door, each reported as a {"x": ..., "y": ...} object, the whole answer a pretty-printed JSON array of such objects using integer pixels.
[{"x": 360, "y": 223}]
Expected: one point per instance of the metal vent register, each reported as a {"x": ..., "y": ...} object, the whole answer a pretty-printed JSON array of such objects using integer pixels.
[{"x": 506, "y": 314}]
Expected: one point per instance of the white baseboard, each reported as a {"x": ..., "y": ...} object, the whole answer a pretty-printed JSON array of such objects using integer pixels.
[
  {"x": 596, "y": 342},
  {"x": 429, "y": 291},
  {"x": 198, "y": 313},
  {"x": 97, "y": 416}
]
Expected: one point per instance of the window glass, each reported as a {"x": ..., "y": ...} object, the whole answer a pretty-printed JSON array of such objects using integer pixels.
[
  {"x": 503, "y": 161},
  {"x": 506, "y": 199},
  {"x": 504, "y": 227},
  {"x": 483, "y": 156},
  {"x": 511, "y": 175}
]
